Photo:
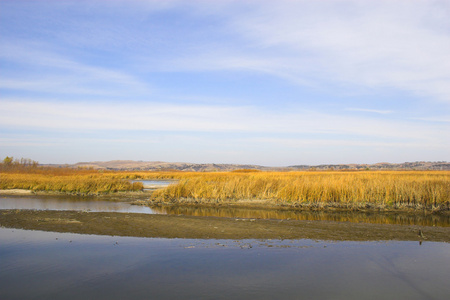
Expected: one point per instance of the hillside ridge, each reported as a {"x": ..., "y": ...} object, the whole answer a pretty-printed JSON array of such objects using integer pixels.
[{"x": 131, "y": 165}]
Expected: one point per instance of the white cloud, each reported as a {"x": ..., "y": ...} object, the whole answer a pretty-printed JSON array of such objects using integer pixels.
[
  {"x": 377, "y": 111},
  {"x": 20, "y": 113},
  {"x": 402, "y": 45},
  {"x": 378, "y": 44},
  {"x": 47, "y": 70}
]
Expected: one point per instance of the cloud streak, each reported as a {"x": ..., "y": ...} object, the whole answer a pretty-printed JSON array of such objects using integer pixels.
[
  {"x": 49, "y": 71},
  {"x": 376, "y": 44},
  {"x": 376, "y": 111},
  {"x": 203, "y": 118}
]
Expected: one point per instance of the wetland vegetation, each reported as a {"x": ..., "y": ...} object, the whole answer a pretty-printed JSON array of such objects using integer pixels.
[
  {"x": 27, "y": 174},
  {"x": 375, "y": 190}
]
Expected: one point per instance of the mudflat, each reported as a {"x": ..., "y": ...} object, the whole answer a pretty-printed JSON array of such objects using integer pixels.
[
  {"x": 16, "y": 192},
  {"x": 193, "y": 227}
]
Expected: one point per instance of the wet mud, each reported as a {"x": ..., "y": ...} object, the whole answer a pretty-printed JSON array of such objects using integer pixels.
[{"x": 198, "y": 227}]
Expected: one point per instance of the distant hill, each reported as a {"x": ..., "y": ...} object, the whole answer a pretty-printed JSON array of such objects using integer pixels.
[
  {"x": 181, "y": 166},
  {"x": 418, "y": 165},
  {"x": 159, "y": 165}
]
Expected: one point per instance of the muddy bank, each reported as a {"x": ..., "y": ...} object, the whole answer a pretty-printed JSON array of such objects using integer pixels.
[
  {"x": 16, "y": 192},
  {"x": 192, "y": 227}
]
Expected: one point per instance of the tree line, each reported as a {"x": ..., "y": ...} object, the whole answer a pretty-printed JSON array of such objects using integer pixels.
[{"x": 9, "y": 163}]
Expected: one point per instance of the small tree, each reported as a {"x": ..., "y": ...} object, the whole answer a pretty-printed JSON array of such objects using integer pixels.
[{"x": 8, "y": 161}]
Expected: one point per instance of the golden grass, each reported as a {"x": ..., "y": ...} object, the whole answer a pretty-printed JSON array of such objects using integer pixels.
[
  {"x": 27, "y": 174},
  {"x": 68, "y": 183},
  {"x": 418, "y": 189},
  {"x": 380, "y": 188}
]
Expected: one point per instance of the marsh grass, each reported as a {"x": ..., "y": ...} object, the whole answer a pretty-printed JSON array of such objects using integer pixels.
[
  {"x": 415, "y": 189},
  {"x": 27, "y": 174},
  {"x": 343, "y": 189},
  {"x": 74, "y": 183}
]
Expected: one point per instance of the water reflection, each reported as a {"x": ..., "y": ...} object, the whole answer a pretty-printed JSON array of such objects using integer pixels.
[
  {"x": 356, "y": 217},
  {"x": 41, "y": 265},
  {"x": 70, "y": 203}
]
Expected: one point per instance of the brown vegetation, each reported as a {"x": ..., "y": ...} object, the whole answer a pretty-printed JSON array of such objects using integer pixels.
[
  {"x": 318, "y": 189},
  {"x": 82, "y": 184},
  {"x": 430, "y": 189},
  {"x": 21, "y": 174}
]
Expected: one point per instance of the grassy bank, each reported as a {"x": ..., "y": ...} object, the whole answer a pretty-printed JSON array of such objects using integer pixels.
[
  {"x": 27, "y": 174},
  {"x": 71, "y": 183},
  {"x": 415, "y": 189}
]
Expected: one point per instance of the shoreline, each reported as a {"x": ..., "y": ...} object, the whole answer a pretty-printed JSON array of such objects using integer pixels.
[
  {"x": 321, "y": 206},
  {"x": 194, "y": 227},
  {"x": 16, "y": 192}
]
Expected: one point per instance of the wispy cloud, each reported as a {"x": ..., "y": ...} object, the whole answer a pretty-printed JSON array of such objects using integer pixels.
[
  {"x": 376, "y": 111},
  {"x": 19, "y": 113},
  {"x": 376, "y": 44},
  {"x": 444, "y": 119},
  {"x": 47, "y": 70}
]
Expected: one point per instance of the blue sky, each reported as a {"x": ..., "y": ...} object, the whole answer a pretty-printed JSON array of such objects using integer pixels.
[{"x": 260, "y": 82}]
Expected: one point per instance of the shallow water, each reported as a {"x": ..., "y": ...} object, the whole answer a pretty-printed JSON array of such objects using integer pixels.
[
  {"x": 70, "y": 203},
  {"x": 43, "y": 265}
]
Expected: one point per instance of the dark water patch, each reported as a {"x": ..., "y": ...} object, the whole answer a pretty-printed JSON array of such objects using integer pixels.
[
  {"x": 375, "y": 217},
  {"x": 42, "y": 265},
  {"x": 71, "y": 203}
]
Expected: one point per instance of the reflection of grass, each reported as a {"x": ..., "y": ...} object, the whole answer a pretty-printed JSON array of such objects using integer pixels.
[
  {"x": 382, "y": 188},
  {"x": 307, "y": 215},
  {"x": 84, "y": 184}
]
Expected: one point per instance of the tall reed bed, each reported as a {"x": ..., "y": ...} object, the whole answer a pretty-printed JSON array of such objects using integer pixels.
[
  {"x": 72, "y": 183},
  {"x": 384, "y": 188}
]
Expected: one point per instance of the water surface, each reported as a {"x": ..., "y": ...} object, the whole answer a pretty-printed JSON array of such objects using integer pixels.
[
  {"x": 375, "y": 217},
  {"x": 70, "y": 203},
  {"x": 45, "y": 265}
]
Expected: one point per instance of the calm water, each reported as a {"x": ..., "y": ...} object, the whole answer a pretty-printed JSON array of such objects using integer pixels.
[
  {"x": 348, "y": 216},
  {"x": 44, "y": 265},
  {"x": 70, "y": 203}
]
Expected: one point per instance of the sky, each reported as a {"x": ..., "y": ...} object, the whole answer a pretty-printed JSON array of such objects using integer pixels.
[{"x": 274, "y": 83}]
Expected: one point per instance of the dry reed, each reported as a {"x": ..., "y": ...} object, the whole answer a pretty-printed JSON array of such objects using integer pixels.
[
  {"x": 418, "y": 189},
  {"x": 340, "y": 189},
  {"x": 82, "y": 184}
]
